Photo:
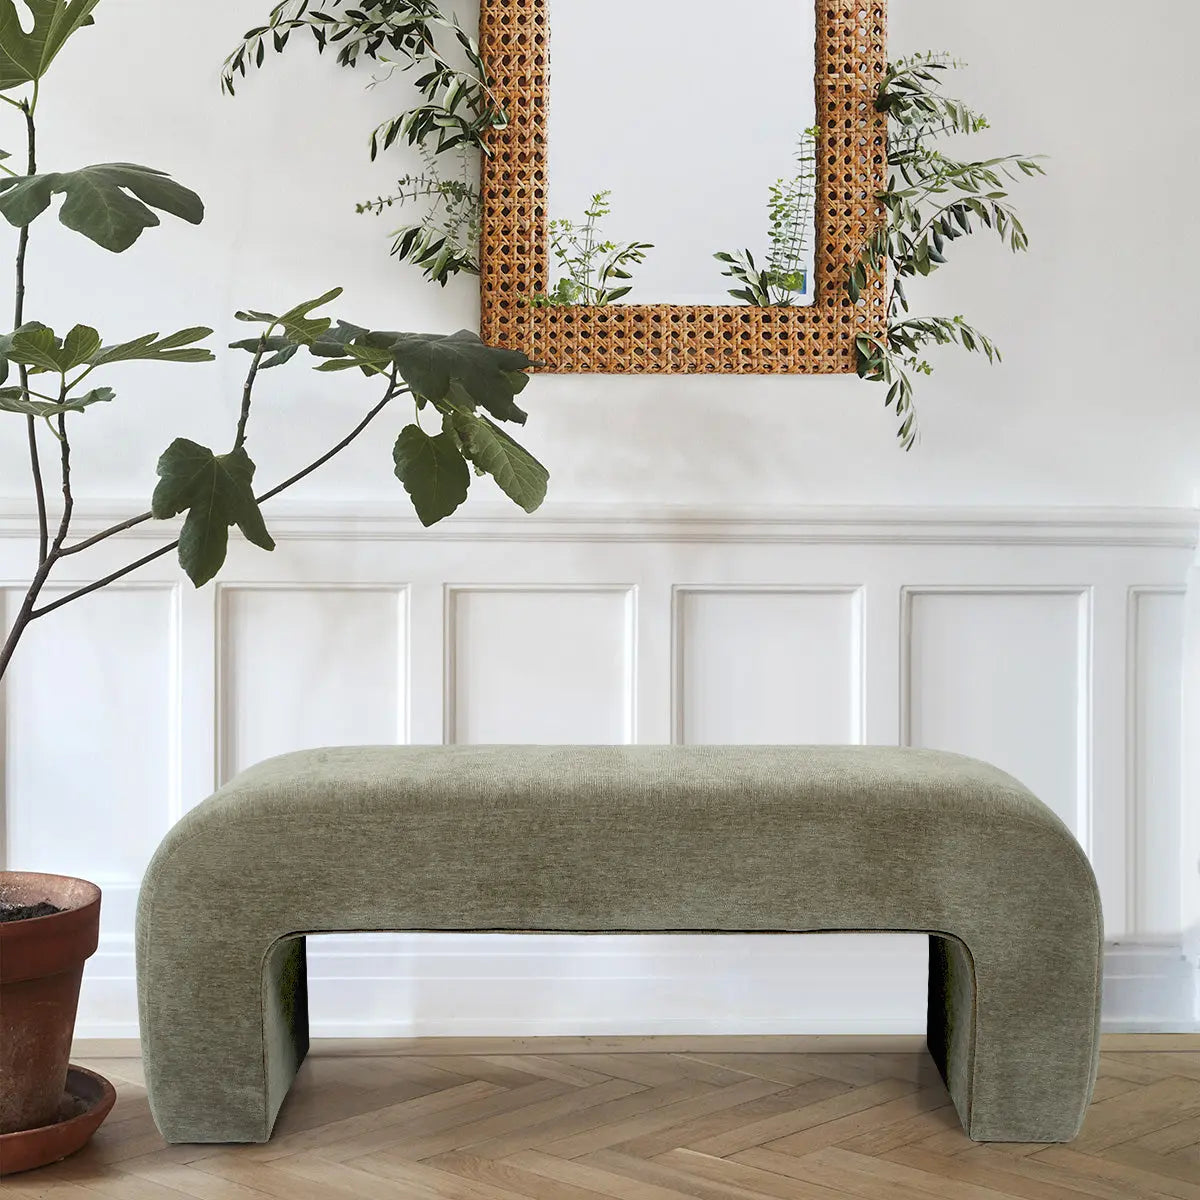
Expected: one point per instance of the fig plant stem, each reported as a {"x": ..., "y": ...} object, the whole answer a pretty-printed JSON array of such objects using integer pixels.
[
  {"x": 392, "y": 392},
  {"x": 27, "y": 108},
  {"x": 50, "y": 552}
]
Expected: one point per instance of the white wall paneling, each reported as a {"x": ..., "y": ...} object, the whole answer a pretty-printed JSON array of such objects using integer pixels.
[
  {"x": 541, "y": 664},
  {"x": 1155, "y": 759},
  {"x": 768, "y": 665},
  {"x": 1189, "y": 842},
  {"x": 91, "y": 746},
  {"x": 1047, "y": 641},
  {"x": 303, "y": 666},
  {"x": 1002, "y": 674}
]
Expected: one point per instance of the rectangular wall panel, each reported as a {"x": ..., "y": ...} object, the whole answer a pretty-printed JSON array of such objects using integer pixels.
[
  {"x": 310, "y": 666},
  {"x": 540, "y": 665},
  {"x": 1155, "y": 758},
  {"x": 1001, "y": 675},
  {"x": 91, "y": 702},
  {"x": 768, "y": 666}
]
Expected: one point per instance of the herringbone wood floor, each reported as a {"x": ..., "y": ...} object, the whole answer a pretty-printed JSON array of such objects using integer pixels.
[{"x": 709, "y": 1119}]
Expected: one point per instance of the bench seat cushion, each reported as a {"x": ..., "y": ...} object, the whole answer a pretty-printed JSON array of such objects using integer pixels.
[{"x": 627, "y": 839}]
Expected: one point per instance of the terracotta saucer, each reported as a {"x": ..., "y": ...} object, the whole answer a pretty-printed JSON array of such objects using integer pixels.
[{"x": 86, "y": 1102}]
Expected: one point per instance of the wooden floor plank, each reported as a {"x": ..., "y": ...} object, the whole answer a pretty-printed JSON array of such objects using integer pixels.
[
  {"x": 813, "y": 1101},
  {"x": 599, "y": 1119},
  {"x": 699, "y": 1105},
  {"x": 1092, "y": 1175},
  {"x": 535, "y": 1136},
  {"x": 500, "y": 1174},
  {"x": 878, "y": 1106},
  {"x": 681, "y": 1177},
  {"x": 996, "y": 1175},
  {"x": 649, "y": 1145},
  {"x": 1137, "y": 1113},
  {"x": 596, "y": 1179}
]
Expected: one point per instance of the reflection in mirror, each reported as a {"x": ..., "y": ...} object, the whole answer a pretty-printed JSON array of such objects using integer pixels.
[{"x": 681, "y": 153}]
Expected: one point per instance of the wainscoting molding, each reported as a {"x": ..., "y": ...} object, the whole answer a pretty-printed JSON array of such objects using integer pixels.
[{"x": 1048, "y": 641}]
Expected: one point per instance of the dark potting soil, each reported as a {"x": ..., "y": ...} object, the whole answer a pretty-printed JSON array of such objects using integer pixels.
[{"x": 24, "y": 912}]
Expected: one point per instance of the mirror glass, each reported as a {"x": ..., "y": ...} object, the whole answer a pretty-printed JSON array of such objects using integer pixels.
[{"x": 676, "y": 134}]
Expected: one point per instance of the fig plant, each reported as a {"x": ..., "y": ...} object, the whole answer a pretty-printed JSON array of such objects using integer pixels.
[{"x": 48, "y": 380}]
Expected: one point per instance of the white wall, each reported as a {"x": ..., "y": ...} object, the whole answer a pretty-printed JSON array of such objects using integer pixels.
[{"x": 1093, "y": 406}]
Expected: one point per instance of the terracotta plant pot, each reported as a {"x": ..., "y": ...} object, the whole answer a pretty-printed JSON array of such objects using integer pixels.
[{"x": 41, "y": 967}]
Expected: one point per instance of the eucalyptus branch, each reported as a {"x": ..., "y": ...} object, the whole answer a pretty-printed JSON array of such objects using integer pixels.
[
  {"x": 791, "y": 210},
  {"x": 943, "y": 200},
  {"x": 590, "y": 263},
  {"x": 458, "y": 107}
]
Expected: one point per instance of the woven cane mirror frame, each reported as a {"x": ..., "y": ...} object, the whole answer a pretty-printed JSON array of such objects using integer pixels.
[{"x": 672, "y": 339}]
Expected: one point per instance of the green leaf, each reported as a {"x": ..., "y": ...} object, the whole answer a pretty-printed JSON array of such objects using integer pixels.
[
  {"x": 277, "y": 348},
  {"x": 299, "y": 326},
  {"x": 96, "y": 396},
  {"x": 434, "y": 472},
  {"x": 216, "y": 492},
  {"x": 24, "y": 198},
  {"x": 299, "y": 329},
  {"x": 14, "y": 400},
  {"x": 430, "y": 363},
  {"x": 111, "y": 203},
  {"x": 303, "y": 328},
  {"x": 79, "y": 346},
  {"x": 26, "y": 56},
  {"x": 372, "y": 360},
  {"x": 6, "y": 345},
  {"x": 520, "y": 476},
  {"x": 175, "y": 347},
  {"x": 334, "y": 341},
  {"x": 36, "y": 346}
]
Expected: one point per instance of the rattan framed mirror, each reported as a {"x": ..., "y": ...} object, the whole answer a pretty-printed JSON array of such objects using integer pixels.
[{"x": 667, "y": 338}]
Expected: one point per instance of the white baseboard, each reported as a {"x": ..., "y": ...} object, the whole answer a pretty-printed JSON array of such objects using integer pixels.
[
  {"x": 425, "y": 986},
  {"x": 1150, "y": 988}
]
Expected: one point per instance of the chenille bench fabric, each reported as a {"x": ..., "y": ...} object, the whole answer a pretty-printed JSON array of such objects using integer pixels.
[{"x": 631, "y": 840}]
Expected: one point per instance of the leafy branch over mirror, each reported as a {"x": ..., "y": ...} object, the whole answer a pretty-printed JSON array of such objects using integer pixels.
[
  {"x": 449, "y": 126},
  {"x": 931, "y": 200},
  {"x": 465, "y": 389},
  {"x": 792, "y": 210},
  {"x": 446, "y": 239},
  {"x": 594, "y": 269}
]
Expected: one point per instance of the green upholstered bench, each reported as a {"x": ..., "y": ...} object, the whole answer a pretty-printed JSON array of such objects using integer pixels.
[{"x": 631, "y": 839}]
